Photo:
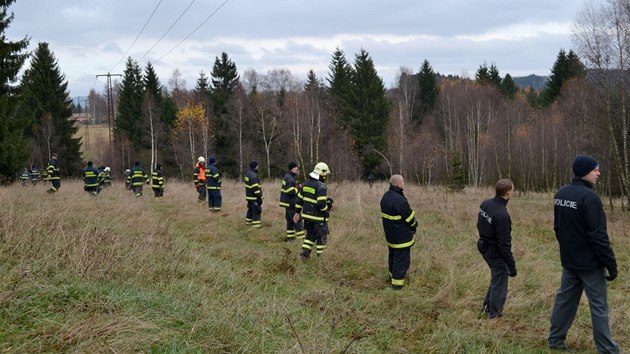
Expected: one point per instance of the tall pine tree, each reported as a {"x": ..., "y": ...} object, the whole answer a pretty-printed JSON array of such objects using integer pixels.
[
  {"x": 45, "y": 103},
  {"x": 224, "y": 78},
  {"x": 429, "y": 90},
  {"x": 368, "y": 112},
  {"x": 566, "y": 67},
  {"x": 130, "y": 100},
  {"x": 12, "y": 143},
  {"x": 340, "y": 82}
]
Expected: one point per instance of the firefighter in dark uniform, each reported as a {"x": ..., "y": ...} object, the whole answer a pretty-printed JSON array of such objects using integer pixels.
[
  {"x": 107, "y": 178},
  {"x": 253, "y": 195},
  {"x": 34, "y": 174},
  {"x": 288, "y": 200},
  {"x": 213, "y": 180},
  {"x": 399, "y": 223},
  {"x": 495, "y": 245},
  {"x": 157, "y": 182},
  {"x": 316, "y": 207},
  {"x": 91, "y": 179},
  {"x": 25, "y": 177},
  {"x": 101, "y": 177},
  {"x": 53, "y": 173},
  {"x": 199, "y": 176},
  {"x": 127, "y": 180},
  {"x": 137, "y": 178}
]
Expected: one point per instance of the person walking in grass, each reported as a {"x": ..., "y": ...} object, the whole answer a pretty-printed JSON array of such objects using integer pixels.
[
  {"x": 495, "y": 245},
  {"x": 54, "y": 174},
  {"x": 199, "y": 175},
  {"x": 25, "y": 177},
  {"x": 137, "y": 178},
  {"x": 157, "y": 182},
  {"x": 288, "y": 200},
  {"x": 253, "y": 195},
  {"x": 34, "y": 174},
  {"x": 213, "y": 179},
  {"x": 91, "y": 179},
  {"x": 399, "y": 224},
  {"x": 579, "y": 224}
]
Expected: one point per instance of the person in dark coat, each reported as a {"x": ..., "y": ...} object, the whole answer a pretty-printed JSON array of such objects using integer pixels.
[
  {"x": 90, "y": 179},
  {"x": 288, "y": 200},
  {"x": 213, "y": 180},
  {"x": 54, "y": 173},
  {"x": 495, "y": 245},
  {"x": 253, "y": 195},
  {"x": 316, "y": 206},
  {"x": 580, "y": 226},
  {"x": 399, "y": 224}
]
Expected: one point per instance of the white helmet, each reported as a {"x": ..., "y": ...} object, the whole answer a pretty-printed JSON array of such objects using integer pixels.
[
  {"x": 321, "y": 169},
  {"x": 201, "y": 159},
  {"x": 107, "y": 169}
]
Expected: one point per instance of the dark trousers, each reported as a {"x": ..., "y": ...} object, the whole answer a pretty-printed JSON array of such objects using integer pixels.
[
  {"x": 214, "y": 199},
  {"x": 566, "y": 305},
  {"x": 316, "y": 237},
  {"x": 158, "y": 192},
  {"x": 294, "y": 230},
  {"x": 56, "y": 184},
  {"x": 399, "y": 260},
  {"x": 137, "y": 190},
  {"x": 254, "y": 213},
  {"x": 92, "y": 190},
  {"x": 201, "y": 189},
  {"x": 497, "y": 290}
]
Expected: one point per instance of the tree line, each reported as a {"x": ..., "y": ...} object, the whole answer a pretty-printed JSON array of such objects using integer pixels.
[{"x": 434, "y": 129}]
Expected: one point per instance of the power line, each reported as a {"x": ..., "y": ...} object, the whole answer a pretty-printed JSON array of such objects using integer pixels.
[
  {"x": 138, "y": 36},
  {"x": 168, "y": 30},
  {"x": 195, "y": 30}
]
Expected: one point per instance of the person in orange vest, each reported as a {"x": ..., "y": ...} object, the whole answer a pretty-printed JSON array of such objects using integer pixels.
[{"x": 199, "y": 173}]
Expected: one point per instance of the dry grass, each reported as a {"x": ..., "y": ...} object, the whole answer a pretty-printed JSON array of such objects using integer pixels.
[{"x": 121, "y": 274}]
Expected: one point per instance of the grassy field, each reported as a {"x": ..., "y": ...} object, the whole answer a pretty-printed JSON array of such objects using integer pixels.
[
  {"x": 95, "y": 141},
  {"x": 120, "y": 274}
]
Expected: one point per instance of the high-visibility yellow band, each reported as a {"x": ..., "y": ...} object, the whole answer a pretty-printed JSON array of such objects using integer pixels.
[
  {"x": 391, "y": 217},
  {"x": 408, "y": 219},
  {"x": 402, "y": 245}
]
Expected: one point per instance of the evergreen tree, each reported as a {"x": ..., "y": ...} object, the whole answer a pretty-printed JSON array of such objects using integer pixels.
[
  {"x": 130, "y": 100},
  {"x": 12, "y": 142},
  {"x": 202, "y": 87},
  {"x": 565, "y": 68},
  {"x": 44, "y": 96},
  {"x": 224, "y": 78},
  {"x": 429, "y": 91},
  {"x": 340, "y": 82},
  {"x": 495, "y": 78},
  {"x": 508, "y": 87},
  {"x": 368, "y": 112},
  {"x": 312, "y": 82},
  {"x": 482, "y": 76}
]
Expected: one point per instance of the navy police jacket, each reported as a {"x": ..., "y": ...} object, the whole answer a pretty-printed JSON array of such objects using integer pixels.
[
  {"x": 580, "y": 226},
  {"x": 495, "y": 228}
]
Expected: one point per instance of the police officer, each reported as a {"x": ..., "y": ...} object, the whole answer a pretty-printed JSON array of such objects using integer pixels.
[
  {"x": 288, "y": 200},
  {"x": 400, "y": 225},
  {"x": 253, "y": 195},
  {"x": 137, "y": 178},
  {"x": 585, "y": 252},
  {"x": 316, "y": 208},
  {"x": 53, "y": 173},
  {"x": 91, "y": 179},
  {"x": 214, "y": 186},
  {"x": 495, "y": 245},
  {"x": 157, "y": 182}
]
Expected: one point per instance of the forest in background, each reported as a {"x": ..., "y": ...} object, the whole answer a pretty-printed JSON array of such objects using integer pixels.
[{"x": 434, "y": 129}]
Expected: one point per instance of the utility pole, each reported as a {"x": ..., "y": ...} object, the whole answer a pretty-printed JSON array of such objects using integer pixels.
[{"x": 110, "y": 111}]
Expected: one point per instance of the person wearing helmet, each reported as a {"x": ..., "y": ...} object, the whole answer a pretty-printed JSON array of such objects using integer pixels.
[
  {"x": 137, "y": 178},
  {"x": 253, "y": 195},
  {"x": 288, "y": 200},
  {"x": 214, "y": 186},
  {"x": 127, "y": 179},
  {"x": 101, "y": 178},
  {"x": 107, "y": 178},
  {"x": 316, "y": 208},
  {"x": 199, "y": 175},
  {"x": 157, "y": 182}
]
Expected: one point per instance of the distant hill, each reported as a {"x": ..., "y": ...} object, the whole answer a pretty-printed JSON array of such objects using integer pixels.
[{"x": 537, "y": 82}]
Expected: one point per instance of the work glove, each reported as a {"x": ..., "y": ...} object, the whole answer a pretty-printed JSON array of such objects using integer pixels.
[
  {"x": 259, "y": 201},
  {"x": 612, "y": 275},
  {"x": 330, "y": 204},
  {"x": 512, "y": 272}
]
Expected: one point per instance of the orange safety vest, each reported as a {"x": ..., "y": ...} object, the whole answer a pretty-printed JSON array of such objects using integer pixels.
[{"x": 201, "y": 176}]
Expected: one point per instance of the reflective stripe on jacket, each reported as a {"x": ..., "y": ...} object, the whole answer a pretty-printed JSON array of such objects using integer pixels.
[
  {"x": 213, "y": 178},
  {"x": 399, "y": 220},
  {"x": 312, "y": 198},
  {"x": 253, "y": 189},
  {"x": 90, "y": 176},
  {"x": 289, "y": 191}
]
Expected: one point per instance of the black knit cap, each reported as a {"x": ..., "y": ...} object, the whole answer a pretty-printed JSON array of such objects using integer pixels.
[
  {"x": 292, "y": 165},
  {"x": 253, "y": 164},
  {"x": 583, "y": 165}
]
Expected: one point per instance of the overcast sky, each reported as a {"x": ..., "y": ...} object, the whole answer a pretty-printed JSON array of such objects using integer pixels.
[{"x": 90, "y": 37}]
